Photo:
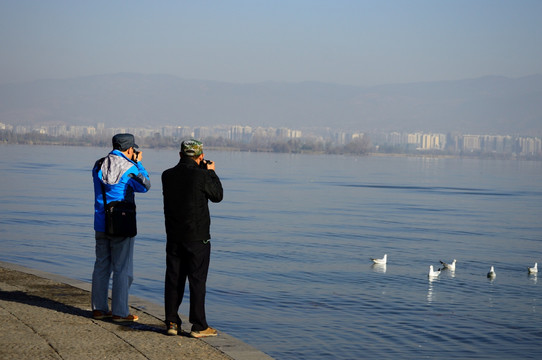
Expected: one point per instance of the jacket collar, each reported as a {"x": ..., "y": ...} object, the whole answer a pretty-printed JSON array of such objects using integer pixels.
[{"x": 188, "y": 161}]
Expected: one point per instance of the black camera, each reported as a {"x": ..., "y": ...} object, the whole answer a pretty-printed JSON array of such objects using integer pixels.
[{"x": 203, "y": 163}]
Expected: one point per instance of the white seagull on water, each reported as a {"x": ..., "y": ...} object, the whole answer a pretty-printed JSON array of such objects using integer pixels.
[
  {"x": 433, "y": 273},
  {"x": 491, "y": 274},
  {"x": 450, "y": 267},
  {"x": 381, "y": 261},
  {"x": 534, "y": 269}
]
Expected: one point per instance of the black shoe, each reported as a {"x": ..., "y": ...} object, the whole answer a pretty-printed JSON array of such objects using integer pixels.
[{"x": 171, "y": 328}]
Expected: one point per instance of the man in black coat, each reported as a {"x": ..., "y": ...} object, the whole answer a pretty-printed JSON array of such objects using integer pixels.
[{"x": 187, "y": 187}]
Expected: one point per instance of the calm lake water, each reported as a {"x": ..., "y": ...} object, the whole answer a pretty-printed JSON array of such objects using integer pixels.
[{"x": 292, "y": 241}]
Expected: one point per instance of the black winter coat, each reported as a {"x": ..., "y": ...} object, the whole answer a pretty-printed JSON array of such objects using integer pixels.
[{"x": 187, "y": 189}]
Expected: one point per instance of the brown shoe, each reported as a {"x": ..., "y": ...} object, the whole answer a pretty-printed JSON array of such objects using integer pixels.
[
  {"x": 100, "y": 315},
  {"x": 204, "y": 333},
  {"x": 129, "y": 318}
]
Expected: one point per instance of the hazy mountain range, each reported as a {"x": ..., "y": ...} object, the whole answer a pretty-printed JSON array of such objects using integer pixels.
[{"x": 487, "y": 105}]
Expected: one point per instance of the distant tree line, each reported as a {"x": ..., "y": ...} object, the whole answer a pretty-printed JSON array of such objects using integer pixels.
[{"x": 359, "y": 146}]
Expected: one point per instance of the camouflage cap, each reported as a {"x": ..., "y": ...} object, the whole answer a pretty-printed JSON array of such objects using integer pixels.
[{"x": 192, "y": 147}]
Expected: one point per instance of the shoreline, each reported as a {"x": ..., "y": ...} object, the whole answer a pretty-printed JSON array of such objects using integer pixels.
[
  {"x": 27, "y": 293},
  {"x": 428, "y": 155}
]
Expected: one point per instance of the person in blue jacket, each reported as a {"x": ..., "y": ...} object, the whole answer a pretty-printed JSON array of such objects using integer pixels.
[{"x": 120, "y": 174}]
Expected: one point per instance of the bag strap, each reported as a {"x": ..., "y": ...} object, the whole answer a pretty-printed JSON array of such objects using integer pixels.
[
  {"x": 103, "y": 194},
  {"x": 97, "y": 166}
]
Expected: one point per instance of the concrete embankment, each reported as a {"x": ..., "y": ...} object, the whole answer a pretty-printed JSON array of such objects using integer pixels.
[{"x": 46, "y": 316}]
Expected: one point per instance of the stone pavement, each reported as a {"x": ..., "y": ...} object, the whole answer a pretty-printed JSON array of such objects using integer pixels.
[{"x": 45, "y": 316}]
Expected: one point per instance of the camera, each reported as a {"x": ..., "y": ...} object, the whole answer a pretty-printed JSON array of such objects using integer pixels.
[{"x": 203, "y": 163}]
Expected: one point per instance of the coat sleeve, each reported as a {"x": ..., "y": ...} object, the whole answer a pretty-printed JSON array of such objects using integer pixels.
[
  {"x": 213, "y": 187},
  {"x": 139, "y": 179}
]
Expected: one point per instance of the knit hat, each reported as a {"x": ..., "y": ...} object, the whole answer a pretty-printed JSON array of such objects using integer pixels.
[{"x": 192, "y": 147}]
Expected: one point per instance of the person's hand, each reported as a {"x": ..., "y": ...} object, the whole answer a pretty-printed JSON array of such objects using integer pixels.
[
  {"x": 210, "y": 165},
  {"x": 138, "y": 156}
]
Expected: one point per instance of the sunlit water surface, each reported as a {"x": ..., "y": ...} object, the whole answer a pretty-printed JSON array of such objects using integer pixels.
[{"x": 292, "y": 241}]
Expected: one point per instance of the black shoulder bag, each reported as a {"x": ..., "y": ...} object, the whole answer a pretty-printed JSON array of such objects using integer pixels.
[{"x": 120, "y": 216}]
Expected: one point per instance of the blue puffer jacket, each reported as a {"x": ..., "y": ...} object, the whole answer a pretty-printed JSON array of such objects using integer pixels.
[{"x": 122, "y": 178}]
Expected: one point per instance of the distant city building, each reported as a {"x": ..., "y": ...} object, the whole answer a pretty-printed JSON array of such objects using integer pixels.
[
  {"x": 433, "y": 141},
  {"x": 471, "y": 143},
  {"x": 453, "y": 143},
  {"x": 529, "y": 146},
  {"x": 5, "y": 127}
]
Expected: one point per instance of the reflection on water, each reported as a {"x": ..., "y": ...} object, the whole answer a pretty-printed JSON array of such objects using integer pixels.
[
  {"x": 379, "y": 268},
  {"x": 430, "y": 289}
]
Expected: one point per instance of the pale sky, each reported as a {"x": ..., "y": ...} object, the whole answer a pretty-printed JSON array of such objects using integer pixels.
[{"x": 335, "y": 41}]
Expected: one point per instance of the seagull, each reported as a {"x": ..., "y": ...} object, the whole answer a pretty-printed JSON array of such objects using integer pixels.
[
  {"x": 449, "y": 266},
  {"x": 381, "y": 261},
  {"x": 534, "y": 269},
  {"x": 491, "y": 274},
  {"x": 433, "y": 273}
]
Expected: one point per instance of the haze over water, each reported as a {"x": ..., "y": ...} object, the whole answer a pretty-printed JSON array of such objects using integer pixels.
[{"x": 290, "y": 271}]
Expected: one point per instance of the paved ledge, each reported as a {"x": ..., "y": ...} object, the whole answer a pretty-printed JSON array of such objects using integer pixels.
[{"x": 48, "y": 316}]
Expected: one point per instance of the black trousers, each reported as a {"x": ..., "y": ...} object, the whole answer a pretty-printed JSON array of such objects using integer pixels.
[{"x": 187, "y": 260}]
